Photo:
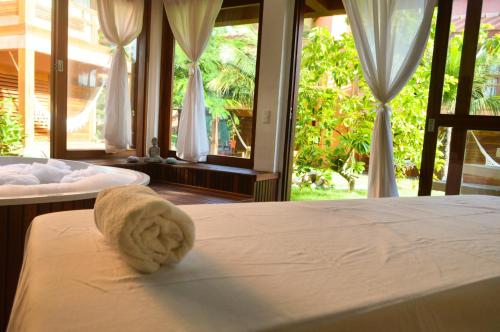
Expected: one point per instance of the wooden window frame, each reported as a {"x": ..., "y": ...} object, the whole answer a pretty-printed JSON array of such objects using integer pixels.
[
  {"x": 59, "y": 89},
  {"x": 462, "y": 120},
  {"x": 167, "y": 83}
]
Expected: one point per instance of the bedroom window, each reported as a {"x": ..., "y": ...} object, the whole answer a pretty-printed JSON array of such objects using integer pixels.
[
  {"x": 82, "y": 59},
  {"x": 89, "y": 60},
  {"x": 54, "y": 61},
  {"x": 229, "y": 67},
  {"x": 461, "y": 152}
]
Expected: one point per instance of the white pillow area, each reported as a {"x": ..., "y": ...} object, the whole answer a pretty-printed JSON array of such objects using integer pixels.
[{"x": 56, "y": 177}]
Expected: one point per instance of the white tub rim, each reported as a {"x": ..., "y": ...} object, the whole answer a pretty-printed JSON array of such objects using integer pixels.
[{"x": 140, "y": 179}]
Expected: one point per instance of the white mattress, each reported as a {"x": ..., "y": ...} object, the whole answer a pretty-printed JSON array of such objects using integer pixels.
[{"x": 409, "y": 264}]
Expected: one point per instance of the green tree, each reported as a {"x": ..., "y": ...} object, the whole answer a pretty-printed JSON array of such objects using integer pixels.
[
  {"x": 11, "y": 129},
  {"x": 228, "y": 69},
  {"x": 335, "y": 109},
  {"x": 334, "y": 120},
  {"x": 487, "y": 70}
]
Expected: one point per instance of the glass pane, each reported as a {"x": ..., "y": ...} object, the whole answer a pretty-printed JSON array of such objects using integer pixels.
[
  {"x": 228, "y": 66},
  {"x": 441, "y": 161},
  {"x": 481, "y": 171},
  {"x": 453, "y": 58},
  {"x": 25, "y": 47},
  {"x": 89, "y": 59},
  {"x": 486, "y": 83}
]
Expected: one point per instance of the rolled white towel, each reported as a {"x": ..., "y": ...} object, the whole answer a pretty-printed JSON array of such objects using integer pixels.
[{"x": 148, "y": 230}]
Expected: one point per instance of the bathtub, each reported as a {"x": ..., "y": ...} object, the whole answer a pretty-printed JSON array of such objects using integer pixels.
[{"x": 17, "y": 212}]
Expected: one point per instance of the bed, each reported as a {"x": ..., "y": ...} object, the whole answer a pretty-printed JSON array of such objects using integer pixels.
[{"x": 407, "y": 264}]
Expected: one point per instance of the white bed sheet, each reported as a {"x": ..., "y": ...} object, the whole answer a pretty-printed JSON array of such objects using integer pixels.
[{"x": 408, "y": 264}]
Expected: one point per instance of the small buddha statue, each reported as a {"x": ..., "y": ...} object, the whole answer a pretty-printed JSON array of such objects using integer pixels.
[{"x": 154, "y": 152}]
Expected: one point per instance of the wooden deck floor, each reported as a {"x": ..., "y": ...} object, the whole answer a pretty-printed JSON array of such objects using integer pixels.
[{"x": 182, "y": 195}]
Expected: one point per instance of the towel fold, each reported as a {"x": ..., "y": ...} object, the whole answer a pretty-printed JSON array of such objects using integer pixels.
[{"x": 148, "y": 230}]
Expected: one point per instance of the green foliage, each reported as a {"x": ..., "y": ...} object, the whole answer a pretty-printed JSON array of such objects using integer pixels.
[
  {"x": 228, "y": 70},
  {"x": 333, "y": 118},
  {"x": 335, "y": 112},
  {"x": 11, "y": 130},
  {"x": 486, "y": 72},
  {"x": 487, "y": 69}
]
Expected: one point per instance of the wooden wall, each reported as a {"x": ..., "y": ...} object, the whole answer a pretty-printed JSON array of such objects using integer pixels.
[{"x": 260, "y": 186}]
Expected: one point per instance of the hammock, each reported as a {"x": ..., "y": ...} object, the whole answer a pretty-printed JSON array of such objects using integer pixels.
[
  {"x": 489, "y": 161},
  {"x": 74, "y": 123},
  {"x": 78, "y": 121}
]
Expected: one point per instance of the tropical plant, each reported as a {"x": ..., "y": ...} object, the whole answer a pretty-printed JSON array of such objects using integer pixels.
[
  {"x": 228, "y": 70},
  {"x": 486, "y": 73},
  {"x": 333, "y": 118},
  {"x": 487, "y": 70},
  {"x": 11, "y": 130}
]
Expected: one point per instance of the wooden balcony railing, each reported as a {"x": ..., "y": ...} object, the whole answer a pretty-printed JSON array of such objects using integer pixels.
[{"x": 83, "y": 21}]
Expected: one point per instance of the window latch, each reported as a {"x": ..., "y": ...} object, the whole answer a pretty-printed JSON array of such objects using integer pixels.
[
  {"x": 60, "y": 66},
  {"x": 431, "y": 125}
]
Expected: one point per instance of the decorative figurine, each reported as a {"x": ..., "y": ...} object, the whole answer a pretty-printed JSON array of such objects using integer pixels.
[{"x": 154, "y": 152}]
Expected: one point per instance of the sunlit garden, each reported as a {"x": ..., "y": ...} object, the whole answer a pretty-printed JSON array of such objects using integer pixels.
[{"x": 335, "y": 114}]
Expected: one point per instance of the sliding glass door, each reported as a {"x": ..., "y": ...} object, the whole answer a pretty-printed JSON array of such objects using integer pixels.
[{"x": 461, "y": 152}]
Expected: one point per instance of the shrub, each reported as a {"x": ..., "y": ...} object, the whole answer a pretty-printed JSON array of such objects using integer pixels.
[{"x": 11, "y": 129}]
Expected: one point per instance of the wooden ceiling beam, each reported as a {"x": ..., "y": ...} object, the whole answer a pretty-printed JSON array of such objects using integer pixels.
[
  {"x": 317, "y": 8},
  {"x": 239, "y": 3},
  {"x": 238, "y": 15}
]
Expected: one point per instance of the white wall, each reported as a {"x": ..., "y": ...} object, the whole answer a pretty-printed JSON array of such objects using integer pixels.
[
  {"x": 153, "y": 105},
  {"x": 273, "y": 84}
]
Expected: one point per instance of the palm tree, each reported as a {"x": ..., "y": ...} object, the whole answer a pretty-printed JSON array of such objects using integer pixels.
[
  {"x": 228, "y": 67},
  {"x": 487, "y": 70},
  {"x": 234, "y": 82}
]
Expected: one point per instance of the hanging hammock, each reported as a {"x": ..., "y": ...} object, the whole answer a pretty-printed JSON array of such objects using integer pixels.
[
  {"x": 76, "y": 122},
  {"x": 489, "y": 161}
]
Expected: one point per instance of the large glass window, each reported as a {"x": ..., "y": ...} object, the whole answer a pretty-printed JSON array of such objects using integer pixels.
[
  {"x": 89, "y": 59},
  {"x": 25, "y": 49},
  {"x": 486, "y": 83},
  {"x": 228, "y": 66},
  {"x": 464, "y": 131}
]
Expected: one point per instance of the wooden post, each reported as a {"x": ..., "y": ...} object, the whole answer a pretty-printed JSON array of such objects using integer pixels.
[
  {"x": 26, "y": 87},
  {"x": 26, "y": 74}
]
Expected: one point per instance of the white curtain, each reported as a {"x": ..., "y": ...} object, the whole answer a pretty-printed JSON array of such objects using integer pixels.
[
  {"x": 390, "y": 37},
  {"x": 191, "y": 22},
  {"x": 121, "y": 23}
]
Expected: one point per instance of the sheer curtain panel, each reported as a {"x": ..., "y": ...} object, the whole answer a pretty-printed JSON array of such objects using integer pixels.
[
  {"x": 192, "y": 22},
  {"x": 121, "y": 23},
  {"x": 390, "y": 37}
]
